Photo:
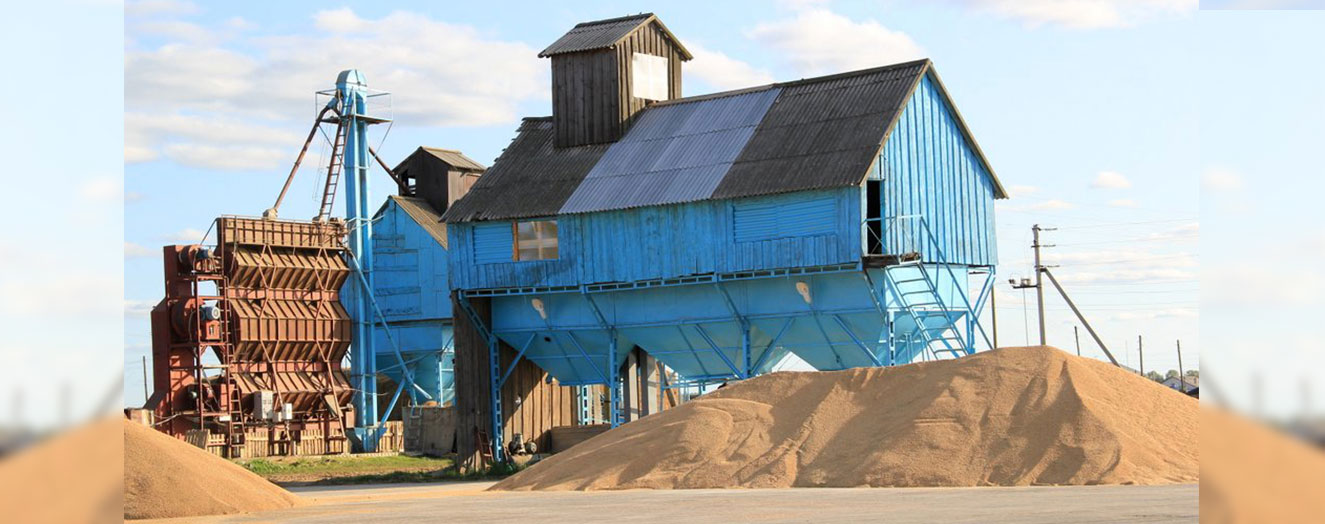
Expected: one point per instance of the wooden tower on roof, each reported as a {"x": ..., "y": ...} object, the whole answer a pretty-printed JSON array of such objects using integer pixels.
[{"x": 603, "y": 72}]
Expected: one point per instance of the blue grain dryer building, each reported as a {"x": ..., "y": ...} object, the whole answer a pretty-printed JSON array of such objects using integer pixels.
[
  {"x": 847, "y": 220},
  {"x": 410, "y": 277}
]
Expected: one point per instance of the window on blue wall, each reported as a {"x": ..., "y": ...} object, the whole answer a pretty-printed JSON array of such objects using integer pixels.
[
  {"x": 493, "y": 242},
  {"x": 536, "y": 240},
  {"x": 793, "y": 216}
]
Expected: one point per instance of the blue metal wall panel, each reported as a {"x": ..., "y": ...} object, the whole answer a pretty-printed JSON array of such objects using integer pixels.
[
  {"x": 930, "y": 169},
  {"x": 493, "y": 242},
  {"x": 667, "y": 241},
  {"x": 783, "y": 217},
  {"x": 411, "y": 287}
]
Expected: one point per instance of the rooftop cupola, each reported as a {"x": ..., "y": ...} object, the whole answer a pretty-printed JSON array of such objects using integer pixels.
[{"x": 603, "y": 72}]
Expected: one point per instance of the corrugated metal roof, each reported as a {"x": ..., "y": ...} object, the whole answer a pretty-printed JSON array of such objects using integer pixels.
[
  {"x": 809, "y": 134},
  {"x": 531, "y": 178},
  {"x": 422, "y": 213},
  {"x": 823, "y": 132},
  {"x": 454, "y": 158},
  {"x": 673, "y": 153},
  {"x": 602, "y": 34}
]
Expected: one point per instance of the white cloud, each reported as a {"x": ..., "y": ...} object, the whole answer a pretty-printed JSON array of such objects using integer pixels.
[
  {"x": 137, "y": 308},
  {"x": 132, "y": 250},
  {"x": 1176, "y": 312},
  {"x": 722, "y": 72},
  {"x": 230, "y": 101},
  {"x": 1221, "y": 179},
  {"x": 1124, "y": 202},
  {"x": 132, "y": 196},
  {"x": 1021, "y": 191},
  {"x": 101, "y": 189},
  {"x": 145, "y": 8},
  {"x": 1085, "y": 14},
  {"x": 1111, "y": 180},
  {"x": 817, "y": 41},
  {"x": 1053, "y": 205},
  {"x": 188, "y": 235}
]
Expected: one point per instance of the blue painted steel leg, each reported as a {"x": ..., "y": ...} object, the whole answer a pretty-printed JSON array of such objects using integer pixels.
[
  {"x": 613, "y": 385},
  {"x": 494, "y": 391}
]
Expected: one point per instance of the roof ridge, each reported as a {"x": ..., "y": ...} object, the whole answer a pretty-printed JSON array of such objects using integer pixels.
[
  {"x": 612, "y": 20},
  {"x": 791, "y": 83},
  {"x": 849, "y": 74}
]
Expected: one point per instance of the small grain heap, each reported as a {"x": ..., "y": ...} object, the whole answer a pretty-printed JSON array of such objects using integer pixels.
[
  {"x": 167, "y": 477},
  {"x": 1014, "y": 416}
]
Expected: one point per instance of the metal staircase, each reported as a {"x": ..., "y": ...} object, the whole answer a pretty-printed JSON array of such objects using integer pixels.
[{"x": 908, "y": 255}]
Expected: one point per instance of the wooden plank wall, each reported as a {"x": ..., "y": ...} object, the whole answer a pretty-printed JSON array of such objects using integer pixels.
[
  {"x": 651, "y": 41},
  {"x": 531, "y": 405},
  {"x": 592, "y": 100}
]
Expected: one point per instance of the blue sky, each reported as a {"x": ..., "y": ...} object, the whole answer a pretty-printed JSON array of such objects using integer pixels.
[
  {"x": 1091, "y": 113},
  {"x": 1086, "y": 116}
]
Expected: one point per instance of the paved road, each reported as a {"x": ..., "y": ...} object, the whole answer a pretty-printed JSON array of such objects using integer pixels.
[{"x": 466, "y": 502}]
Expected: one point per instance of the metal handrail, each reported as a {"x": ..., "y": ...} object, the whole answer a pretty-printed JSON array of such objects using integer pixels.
[{"x": 893, "y": 229}]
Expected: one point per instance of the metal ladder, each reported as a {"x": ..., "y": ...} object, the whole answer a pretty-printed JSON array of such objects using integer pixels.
[
  {"x": 333, "y": 171},
  {"x": 941, "y": 339}
]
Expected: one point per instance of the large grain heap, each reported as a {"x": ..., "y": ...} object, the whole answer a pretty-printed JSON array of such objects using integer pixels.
[
  {"x": 166, "y": 477},
  {"x": 1014, "y": 416}
]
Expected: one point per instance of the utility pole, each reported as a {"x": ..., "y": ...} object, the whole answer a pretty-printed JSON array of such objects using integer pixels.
[
  {"x": 144, "y": 380},
  {"x": 1141, "y": 351},
  {"x": 1039, "y": 278},
  {"x": 1080, "y": 317},
  {"x": 1076, "y": 336},
  {"x": 1182, "y": 375}
]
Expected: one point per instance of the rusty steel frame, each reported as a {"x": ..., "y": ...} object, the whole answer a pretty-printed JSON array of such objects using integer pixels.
[{"x": 281, "y": 328}]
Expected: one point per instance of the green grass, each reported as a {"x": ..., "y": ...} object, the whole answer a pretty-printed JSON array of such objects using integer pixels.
[
  {"x": 315, "y": 468},
  {"x": 352, "y": 469}
]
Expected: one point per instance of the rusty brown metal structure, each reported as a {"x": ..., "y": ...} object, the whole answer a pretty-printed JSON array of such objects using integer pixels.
[{"x": 249, "y": 341}]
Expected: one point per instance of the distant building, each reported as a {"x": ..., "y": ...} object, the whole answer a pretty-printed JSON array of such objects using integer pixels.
[{"x": 1185, "y": 385}]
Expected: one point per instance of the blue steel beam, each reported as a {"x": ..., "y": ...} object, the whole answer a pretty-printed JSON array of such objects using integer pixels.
[
  {"x": 494, "y": 393},
  {"x": 771, "y": 344},
  {"x": 680, "y": 328},
  {"x": 703, "y": 333},
  {"x": 868, "y": 352},
  {"x": 516, "y": 362}
]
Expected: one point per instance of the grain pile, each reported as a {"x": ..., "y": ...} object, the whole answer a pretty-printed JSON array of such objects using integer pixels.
[
  {"x": 71, "y": 477},
  {"x": 1255, "y": 474},
  {"x": 167, "y": 477},
  {"x": 1015, "y": 416}
]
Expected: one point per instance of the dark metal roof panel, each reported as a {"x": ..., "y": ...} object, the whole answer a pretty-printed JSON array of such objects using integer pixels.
[
  {"x": 531, "y": 178},
  {"x": 455, "y": 158},
  {"x": 822, "y": 133},
  {"x": 599, "y": 34},
  {"x": 424, "y": 215},
  {"x": 673, "y": 153}
]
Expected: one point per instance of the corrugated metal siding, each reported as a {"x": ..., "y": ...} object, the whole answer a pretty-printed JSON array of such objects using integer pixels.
[
  {"x": 766, "y": 219},
  {"x": 930, "y": 169},
  {"x": 673, "y": 153},
  {"x": 493, "y": 242},
  {"x": 665, "y": 241}
]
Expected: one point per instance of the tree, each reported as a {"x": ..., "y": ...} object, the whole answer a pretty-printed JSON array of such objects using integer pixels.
[
  {"x": 1173, "y": 373},
  {"x": 1194, "y": 373},
  {"x": 1155, "y": 376}
]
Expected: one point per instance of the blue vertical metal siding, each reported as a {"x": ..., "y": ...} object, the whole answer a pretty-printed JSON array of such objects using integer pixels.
[
  {"x": 930, "y": 169},
  {"x": 782, "y": 217},
  {"x": 411, "y": 289},
  {"x": 493, "y": 242},
  {"x": 410, "y": 269},
  {"x": 669, "y": 241}
]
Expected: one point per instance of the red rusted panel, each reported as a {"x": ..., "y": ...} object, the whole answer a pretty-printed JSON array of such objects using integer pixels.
[{"x": 275, "y": 323}]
